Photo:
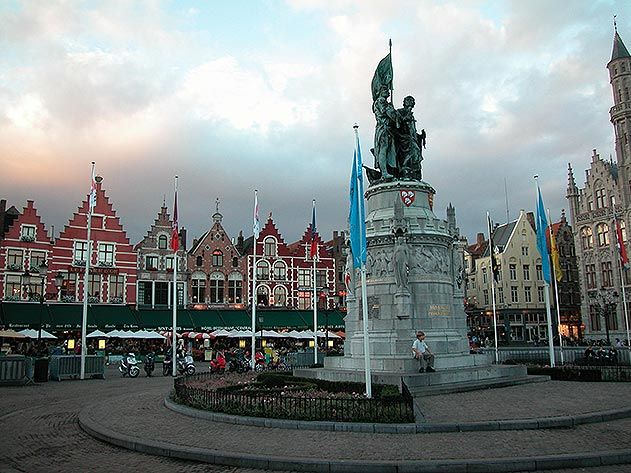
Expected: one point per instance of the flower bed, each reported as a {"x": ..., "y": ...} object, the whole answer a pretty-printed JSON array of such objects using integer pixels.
[{"x": 282, "y": 396}]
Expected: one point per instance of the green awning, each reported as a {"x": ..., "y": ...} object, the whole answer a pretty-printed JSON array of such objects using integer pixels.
[
  {"x": 159, "y": 319},
  {"x": 293, "y": 319},
  {"x": 19, "y": 315},
  {"x": 113, "y": 316},
  {"x": 240, "y": 319},
  {"x": 69, "y": 316},
  {"x": 206, "y": 319},
  {"x": 330, "y": 318}
]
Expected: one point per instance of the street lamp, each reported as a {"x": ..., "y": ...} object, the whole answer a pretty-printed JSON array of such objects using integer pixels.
[
  {"x": 59, "y": 281},
  {"x": 606, "y": 301}
]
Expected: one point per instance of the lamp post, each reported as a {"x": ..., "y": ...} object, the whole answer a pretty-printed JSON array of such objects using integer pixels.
[
  {"x": 605, "y": 300},
  {"x": 59, "y": 282}
]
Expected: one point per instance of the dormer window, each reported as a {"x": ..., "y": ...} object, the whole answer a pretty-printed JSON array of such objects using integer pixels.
[
  {"x": 27, "y": 233},
  {"x": 162, "y": 242}
]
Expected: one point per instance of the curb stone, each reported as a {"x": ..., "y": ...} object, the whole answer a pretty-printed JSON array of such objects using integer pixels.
[
  {"x": 560, "y": 422},
  {"x": 535, "y": 463}
]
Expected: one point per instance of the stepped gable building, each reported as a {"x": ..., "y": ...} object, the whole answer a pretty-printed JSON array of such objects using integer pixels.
[
  {"x": 519, "y": 291},
  {"x": 336, "y": 248},
  {"x": 217, "y": 270},
  {"x": 569, "y": 290},
  {"x": 26, "y": 246},
  {"x": 112, "y": 277},
  {"x": 284, "y": 272},
  {"x": 606, "y": 191},
  {"x": 155, "y": 265}
]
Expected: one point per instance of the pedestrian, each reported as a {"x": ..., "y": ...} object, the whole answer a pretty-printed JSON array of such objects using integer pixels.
[{"x": 422, "y": 353}]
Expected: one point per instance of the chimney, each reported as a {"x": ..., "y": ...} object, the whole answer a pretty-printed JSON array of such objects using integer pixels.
[
  {"x": 183, "y": 237},
  {"x": 480, "y": 238},
  {"x": 531, "y": 219}
]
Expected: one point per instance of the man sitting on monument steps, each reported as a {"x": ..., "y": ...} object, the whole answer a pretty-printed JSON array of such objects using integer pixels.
[{"x": 422, "y": 353}]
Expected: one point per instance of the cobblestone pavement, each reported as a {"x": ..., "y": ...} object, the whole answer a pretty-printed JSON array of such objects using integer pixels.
[{"x": 39, "y": 431}]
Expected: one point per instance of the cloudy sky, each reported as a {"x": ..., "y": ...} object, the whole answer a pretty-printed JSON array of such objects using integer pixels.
[{"x": 243, "y": 95}]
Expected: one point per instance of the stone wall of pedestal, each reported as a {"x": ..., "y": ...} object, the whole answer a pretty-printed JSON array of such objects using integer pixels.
[{"x": 413, "y": 282}]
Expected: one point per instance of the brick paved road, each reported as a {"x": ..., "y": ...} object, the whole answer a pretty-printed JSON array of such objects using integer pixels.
[{"x": 39, "y": 431}]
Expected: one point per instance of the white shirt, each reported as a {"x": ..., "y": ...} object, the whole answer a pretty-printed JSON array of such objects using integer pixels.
[{"x": 419, "y": 346}]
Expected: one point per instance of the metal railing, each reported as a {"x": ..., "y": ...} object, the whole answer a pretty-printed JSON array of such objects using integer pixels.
[
  {"x": 69, "y": 367},
  {"x": 16, "y": 370},
  {"x": 571, "y": 356},
  {"x": 282, "y": 406}
]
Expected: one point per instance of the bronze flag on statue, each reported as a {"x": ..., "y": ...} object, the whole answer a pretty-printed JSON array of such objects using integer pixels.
[{"x": 382, "y": 77}]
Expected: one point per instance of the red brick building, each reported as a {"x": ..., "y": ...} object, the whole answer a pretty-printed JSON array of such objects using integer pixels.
[
  {"x": 26, "y": 246},
  {"x": 284, "y": 272},
  {"x": 112, "y": 277},
  {"x": 217, "y": 270}
]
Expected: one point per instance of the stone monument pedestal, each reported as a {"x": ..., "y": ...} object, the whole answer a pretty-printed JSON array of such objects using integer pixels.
[{"x": 414, "y": 282}]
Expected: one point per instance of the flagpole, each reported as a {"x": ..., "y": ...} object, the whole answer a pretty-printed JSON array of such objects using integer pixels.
[
  {"x": 497, "y": 355},
  {"x": 315, "y": 305},
  {"x": 84, "y": 318},
  {"x": 546, "y": 283},
  {"x": 361, "y": 224},
  {"x": 255, "y": 237},
  {"x": 175, "y": 247},
  {"x": 556, "y": 290}
]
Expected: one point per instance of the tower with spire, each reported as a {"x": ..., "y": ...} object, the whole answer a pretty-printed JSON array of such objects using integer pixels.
[{"x": 605, "y": 194}]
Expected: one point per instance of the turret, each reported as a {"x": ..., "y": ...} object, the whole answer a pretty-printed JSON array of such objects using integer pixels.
[
  {"x": 572, "y": 194},
  {"x": 620, "y": 79}
]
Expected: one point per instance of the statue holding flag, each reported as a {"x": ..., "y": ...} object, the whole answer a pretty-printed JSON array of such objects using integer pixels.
[{"x": 397, "y": 146}]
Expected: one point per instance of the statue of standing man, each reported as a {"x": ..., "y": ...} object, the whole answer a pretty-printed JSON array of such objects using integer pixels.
[
  {"x": 387, "y": 121},
  {"x": 410, "y": 144}
]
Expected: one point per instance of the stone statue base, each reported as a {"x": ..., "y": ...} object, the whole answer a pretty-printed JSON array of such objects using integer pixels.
[{"x": 400, "y": 213}]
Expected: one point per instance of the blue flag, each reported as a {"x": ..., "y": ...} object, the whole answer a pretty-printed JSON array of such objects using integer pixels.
[
  {"x": 357, "y": 215},
  {"x": 542, "y": 227}
]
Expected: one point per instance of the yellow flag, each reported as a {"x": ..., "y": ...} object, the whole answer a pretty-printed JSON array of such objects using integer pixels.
[{"x": 558, "y": 273}]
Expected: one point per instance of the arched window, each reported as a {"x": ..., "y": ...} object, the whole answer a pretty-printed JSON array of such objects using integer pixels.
[
  {"x": 587, "y": 238},
  {"x": 162, "y": 242},
  {"x": 217, "y": 258},
  {"x": 623, "y": 230},
  {"x": 262, "y": 295},
  {"x": 280, "y": 296},
  {"x": 199, "y": 261},
  {"x": 602, "y": 230},
  {"x": 262, "y": 270},
  {"x": 216, "y": 288},
  {"x": 280, "y": 271},
  {"x": 269, "y": 248}
]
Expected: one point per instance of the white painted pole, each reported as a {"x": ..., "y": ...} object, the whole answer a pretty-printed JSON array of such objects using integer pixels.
[
  {"x": 315, "y": 302},
  {"x": 254, "y": 237},
  {"x": 174, "y": 302},
  {"x": 84, "y": 318},
  {"x": 497, "y": 355}
]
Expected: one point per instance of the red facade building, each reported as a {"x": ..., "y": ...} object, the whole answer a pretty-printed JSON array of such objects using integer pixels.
[
  {"x": 284, "y": 272},
  {"x": 112, "y": 276},
  {"x": 26, "y": 247}
]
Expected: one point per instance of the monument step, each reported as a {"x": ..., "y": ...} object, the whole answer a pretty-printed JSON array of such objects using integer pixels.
[
  {"x": 448, "y": 388},
  {"x": 463, "y": 375}
]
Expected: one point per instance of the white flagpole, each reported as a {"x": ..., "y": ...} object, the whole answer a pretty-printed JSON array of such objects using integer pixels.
[
  {"x": 315, "y": 305},
  {"x": 546, "y": 286},
  {"x": 174, "y": 334},
  {"x": 497, "y": 355},
  {"x": 361, "y": 224},
  {"x": 556, "y": 292},
  {"x": 255, "y": 238},
  {"x": 84, "y": 318}
]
